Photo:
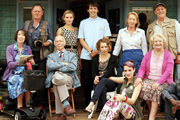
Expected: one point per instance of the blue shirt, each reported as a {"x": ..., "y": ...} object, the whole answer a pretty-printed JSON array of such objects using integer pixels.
[
  {"x": 92, "y": 30},
  {"x": 36, "y": 35}
]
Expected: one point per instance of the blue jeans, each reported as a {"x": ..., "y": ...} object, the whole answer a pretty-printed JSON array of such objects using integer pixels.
[
  {"x": 168, "y": 110},
  {"x": 100, "y": 90}
]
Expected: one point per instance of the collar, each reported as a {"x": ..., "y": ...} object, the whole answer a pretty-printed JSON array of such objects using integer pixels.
[
  {"x": 163, "y": 21},
  {"x": 126, "y": 30},
  {"x": 94, "y": 18},
  {"x": 16, "y": 47},
  {"x": 131, "y": 83},
  {"x": 60, "y": 51}
]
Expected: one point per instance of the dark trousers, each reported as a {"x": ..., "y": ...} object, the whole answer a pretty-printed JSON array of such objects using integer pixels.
[
  {"x": 100, "y": 90},
  {"x": 41, "y": 96},
  {"x": 87, "y": 79},
  {"x": 168, "y": 110}
]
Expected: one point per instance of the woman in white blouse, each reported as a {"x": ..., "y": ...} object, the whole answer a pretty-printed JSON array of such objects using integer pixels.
[{"x": 132, "y": 40}]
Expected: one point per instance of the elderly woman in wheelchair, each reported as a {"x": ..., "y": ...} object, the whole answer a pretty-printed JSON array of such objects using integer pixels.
[{"x": 13, "y": 74}]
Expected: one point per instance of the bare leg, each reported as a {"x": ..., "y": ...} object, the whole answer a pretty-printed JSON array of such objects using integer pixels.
[
  {"x": 27, "y": 95},
  {"x": 153, "y": 111},
  {"x": 20, "y": 100},
  {"x": 148, "y": 104},
  {"x": 89, "y": 107}
]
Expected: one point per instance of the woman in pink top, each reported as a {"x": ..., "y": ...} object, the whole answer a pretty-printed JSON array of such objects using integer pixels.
[{"x": 156, "y": 70}]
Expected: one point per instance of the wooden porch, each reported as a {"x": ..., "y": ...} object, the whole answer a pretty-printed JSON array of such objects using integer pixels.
[{"x": 80, "y": 115}]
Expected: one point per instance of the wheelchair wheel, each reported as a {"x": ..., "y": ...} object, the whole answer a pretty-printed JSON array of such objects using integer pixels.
[
  {"x": 42, "y": 114},
  {"x": 17, "y": 116}
]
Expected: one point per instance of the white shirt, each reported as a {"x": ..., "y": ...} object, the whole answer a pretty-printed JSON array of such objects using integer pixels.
[
  {"x": 135, "y": 41},
  {"x": 158, "y": 29}
]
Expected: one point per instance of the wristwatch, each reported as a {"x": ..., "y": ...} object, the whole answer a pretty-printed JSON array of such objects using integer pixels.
[{"x": 90, "y": 51}]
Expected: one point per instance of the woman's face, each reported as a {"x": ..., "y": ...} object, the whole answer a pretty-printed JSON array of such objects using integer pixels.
[
  {"x": 129, "y": 72},
  {"x": 132, "y": 21},
  {"x": 158, "y": 43},
  {"x": 68, "y": 18},
  {"x": 20, "y": 37},
  {"x": 104, "y": 48}
]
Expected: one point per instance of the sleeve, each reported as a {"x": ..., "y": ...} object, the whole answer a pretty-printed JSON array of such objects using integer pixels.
[
  {"x": 169, "y": 68},
  {"x": 177, "y": 28},
  {"x": 107, "y": 31},
  {"x": 110, "y": 68},
  {"x": 166, "y": 94},
  {"x": 94, "y": 66},
  {"x": 11, "y": 63},
  {"x": 55, "y": 65},
  {"x": 148, "y": 40},
  {"x": 81, "y": 31},
  {"x": 142, "y": 68},
  {"x": 72, "y": 66},
  {"x": 117, "y": 46},
  {"x": 29, "y": 52},
  {"x": 50, "y": 33},
  {"x": 144, "y": 43}
]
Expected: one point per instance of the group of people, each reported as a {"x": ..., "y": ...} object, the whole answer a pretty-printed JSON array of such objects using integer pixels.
[{"x": 145, "y": 74}]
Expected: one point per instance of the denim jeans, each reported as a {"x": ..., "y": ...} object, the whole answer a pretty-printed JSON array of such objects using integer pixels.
[{"x": 105, "y": 85}]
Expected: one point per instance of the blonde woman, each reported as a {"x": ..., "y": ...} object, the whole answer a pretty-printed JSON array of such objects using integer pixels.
[
  {"x": 70, "y": 33},
  {"x": 132, "y": 40}
]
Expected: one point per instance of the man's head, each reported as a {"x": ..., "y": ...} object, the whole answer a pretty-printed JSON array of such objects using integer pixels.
[
  {"x": 59, "y": 42},
  {"x": 37, "y": 12},
  {"x": 93, "y": 9},
  {"x": 160, "y": 11}
]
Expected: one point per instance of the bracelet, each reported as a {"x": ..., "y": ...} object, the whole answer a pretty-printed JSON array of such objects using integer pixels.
[{"x": 125, "y": 99}]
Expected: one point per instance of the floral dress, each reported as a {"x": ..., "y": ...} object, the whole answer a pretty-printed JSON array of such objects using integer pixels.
[{"x": 16, "y": 79}]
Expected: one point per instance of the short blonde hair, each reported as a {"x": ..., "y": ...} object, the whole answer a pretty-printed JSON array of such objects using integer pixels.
[
  {"x": 137, "y": 18},
  {"x": 61, "y": 37},
  {"x": 67, "y": 12},
  {"x": 158, "y": 35},
  {"x": 104, "y": 40}
]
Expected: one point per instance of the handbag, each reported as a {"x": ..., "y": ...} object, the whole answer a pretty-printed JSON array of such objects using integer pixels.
[{"x": 59, "y": 78}]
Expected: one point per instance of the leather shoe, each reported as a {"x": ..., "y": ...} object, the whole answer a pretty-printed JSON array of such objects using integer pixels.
[
  {"x": 68, "y": 110},
  {"x": 61, "y": 117}
]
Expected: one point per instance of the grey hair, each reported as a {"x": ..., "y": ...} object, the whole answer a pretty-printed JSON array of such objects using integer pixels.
[
  {"x": 60, "y": 37},
  {"x": 158, "y": 35}
]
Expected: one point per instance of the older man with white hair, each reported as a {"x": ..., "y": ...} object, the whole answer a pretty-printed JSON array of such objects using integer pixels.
[{"x": 62, "y": 67}]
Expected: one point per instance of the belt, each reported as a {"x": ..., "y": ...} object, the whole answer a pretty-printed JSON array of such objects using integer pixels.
[{"x": 71, "y": 46}]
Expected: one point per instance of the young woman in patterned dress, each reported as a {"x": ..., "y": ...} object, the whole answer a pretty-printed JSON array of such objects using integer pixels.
[{"x": 70, "y": 33}]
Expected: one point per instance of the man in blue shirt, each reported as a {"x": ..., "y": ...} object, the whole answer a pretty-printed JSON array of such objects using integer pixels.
[
  {"x": 40, "y": 39},
  {"x": 91, "y": 30}
]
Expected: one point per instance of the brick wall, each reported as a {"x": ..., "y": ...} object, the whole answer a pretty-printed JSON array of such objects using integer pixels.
[{"x": 7, "y": 25}]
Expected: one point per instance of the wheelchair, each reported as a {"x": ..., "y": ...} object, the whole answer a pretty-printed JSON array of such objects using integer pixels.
[{"x": 33, "y": 80}]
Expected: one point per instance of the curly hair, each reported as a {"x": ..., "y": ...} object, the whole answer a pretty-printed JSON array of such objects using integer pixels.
[{"x": 104, "y": 40}]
